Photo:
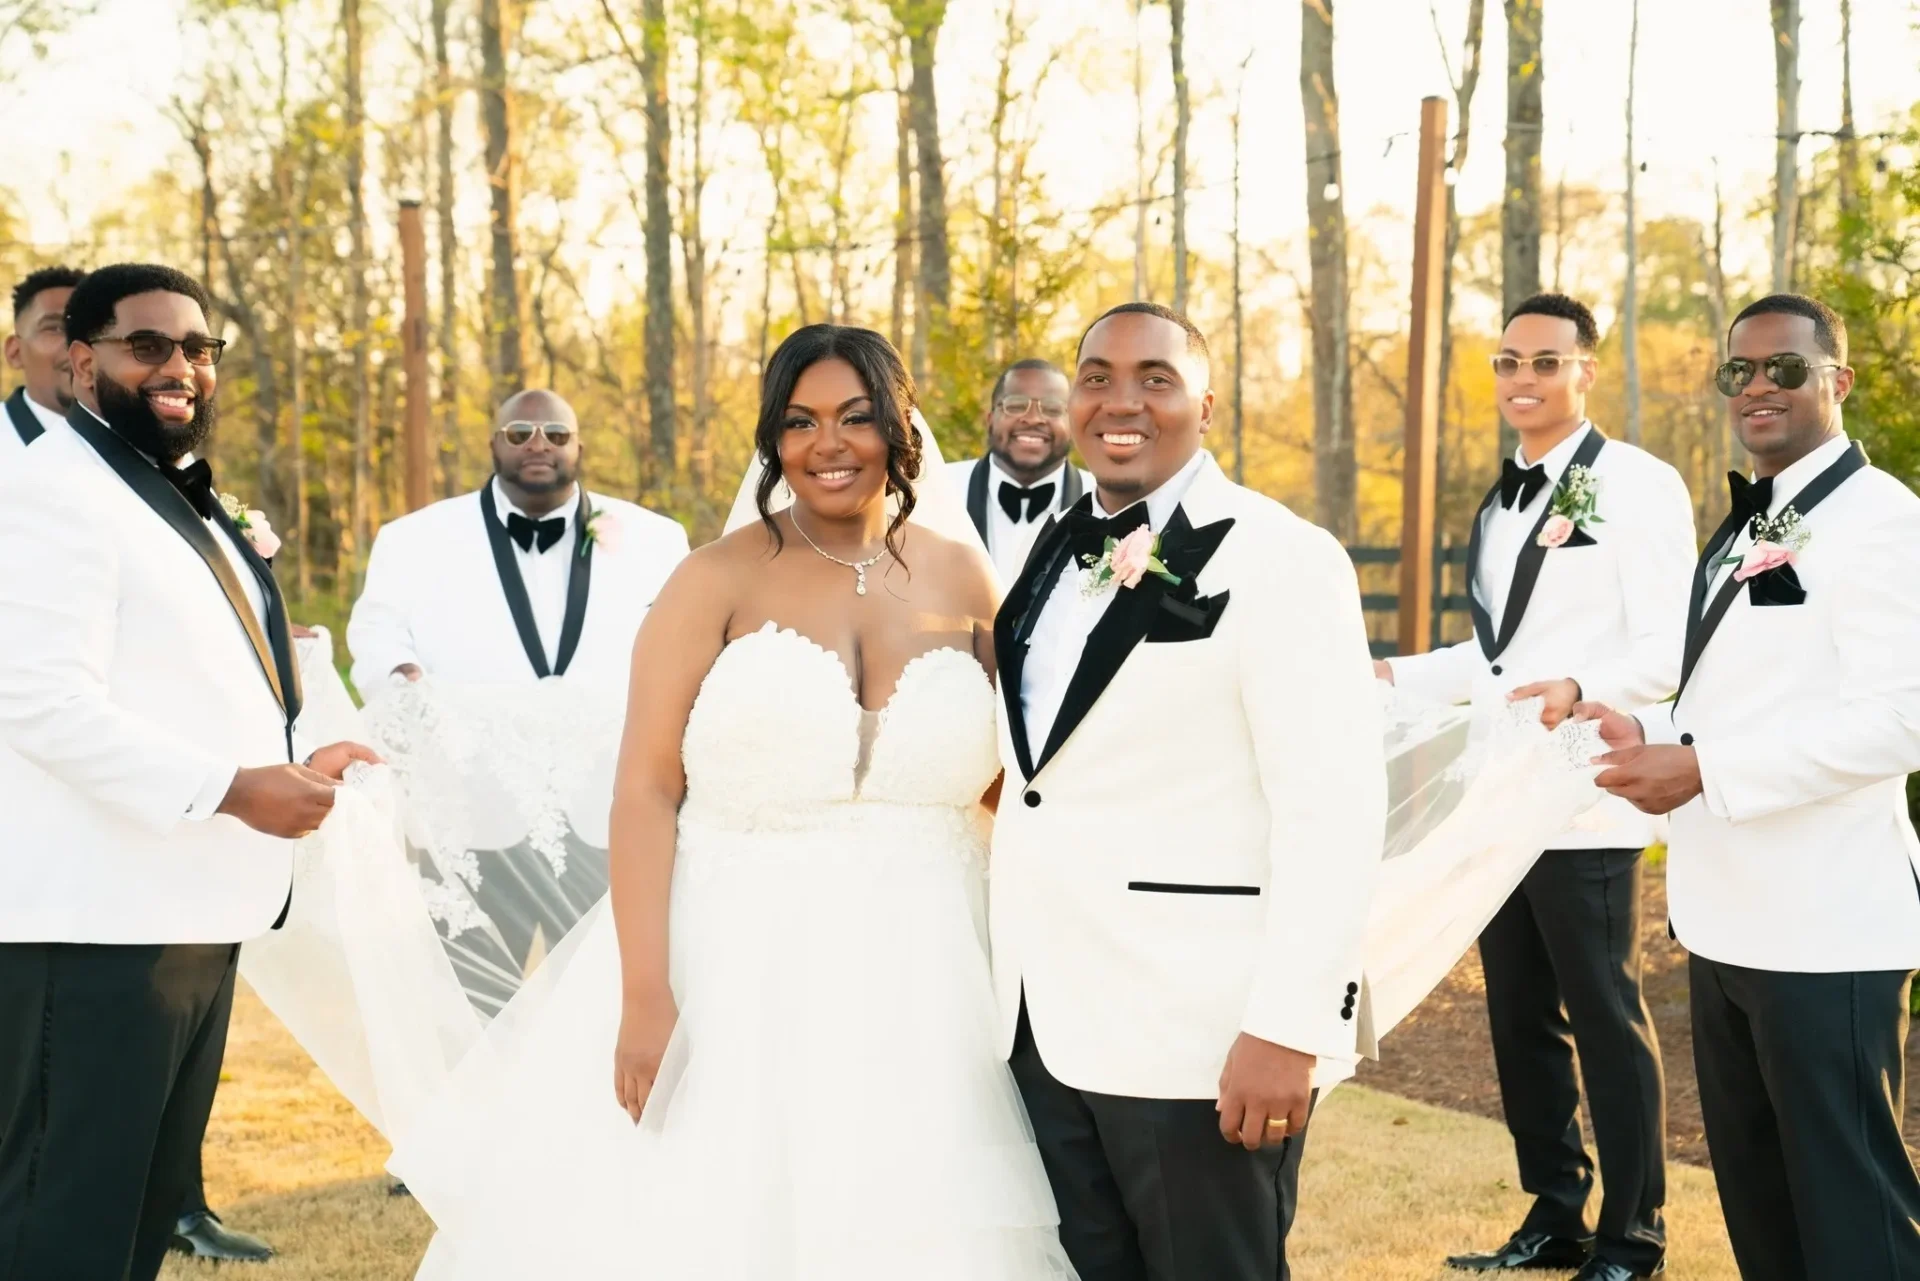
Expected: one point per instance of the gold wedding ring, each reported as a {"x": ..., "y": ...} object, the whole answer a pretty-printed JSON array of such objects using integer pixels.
[{"x": 1279, "y": 1124}]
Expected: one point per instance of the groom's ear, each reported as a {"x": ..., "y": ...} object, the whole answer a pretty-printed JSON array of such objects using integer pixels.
[{"x": 1206, "y": 411}]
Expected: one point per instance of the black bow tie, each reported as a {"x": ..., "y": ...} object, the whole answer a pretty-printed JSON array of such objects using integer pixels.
[
  {"x": 1035, "y": 500},
  {"x": 195, "y": 483},
  {"x": 525, "y": 531},
  {"x": 1089, "y": 533},
  {"x": 1524, "y": 483},
  {"x": 1751, "y": 498}
]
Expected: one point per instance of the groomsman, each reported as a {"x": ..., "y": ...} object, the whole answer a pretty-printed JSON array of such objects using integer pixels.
[
  {"x": 37, "y": 348},
  {"x": 530, "y": 576},
  {"x": 147, "y": 699},
  {"x": 1794, "y": 878},
  {"x": 1578, "y": 565},
  {"x": 1024, "y": 478}
]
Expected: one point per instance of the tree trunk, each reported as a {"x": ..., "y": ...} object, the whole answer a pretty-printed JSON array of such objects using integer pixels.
[
  {"x": 1463, "y": 91},
  {"x": 1720, "y": 438},
  {"x": 921, "y": 20},
  {"x": 902, "y": 218},
  {"x": 1520, "y": 212},
  {"x": 504, "y": 324},
  {"x": 1849, "y": 139},
  {"x": 693, "y": 252},
  {"x": 1333, "y": 456},
  {"x": 1786, "y": 147},
  {"x": 1182, "y": 119},
  {"x": 359, "y": 319},
  {"x": 1140, "y": 193},
  {"x": 1239, "y": 310},
  {"x": 450, "y": 478},
  {"x": 1630, "y": 302},
  {"x": 659, "y": 242}
]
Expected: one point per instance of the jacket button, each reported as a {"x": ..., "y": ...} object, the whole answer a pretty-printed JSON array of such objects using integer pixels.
[
  {"x": 1686, "y": 740},
  {"x": 1497, "y": 669},
  {"x": 1032, "y": 799},
  {"x": 1353, "y": 989},
  {"x": 1347, "y": 1013}
]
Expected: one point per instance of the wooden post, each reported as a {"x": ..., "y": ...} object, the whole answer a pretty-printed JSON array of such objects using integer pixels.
[
  {"x": 413, "y": 269},
  {"x": 1423, "y": 386}
]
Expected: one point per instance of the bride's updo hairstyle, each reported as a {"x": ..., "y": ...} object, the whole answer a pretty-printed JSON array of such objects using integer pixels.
[{"x": 888, "y": 384}]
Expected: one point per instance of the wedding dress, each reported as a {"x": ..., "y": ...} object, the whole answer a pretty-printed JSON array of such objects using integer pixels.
[{"x": 830, "y": 1106}]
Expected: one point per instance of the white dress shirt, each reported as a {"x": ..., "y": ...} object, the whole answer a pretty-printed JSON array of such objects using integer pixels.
[
  {"x": 1009, "y": 541},
  {"x": 1507, "y": 529},
  {"x": 545, "y": 573},
  {"x": 1069, "y": 616}
]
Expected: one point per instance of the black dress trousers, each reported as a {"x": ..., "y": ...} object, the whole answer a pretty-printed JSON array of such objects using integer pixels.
[
  {"x": 1802, "y": 1087},
  {"x": 1148, "y": 1190},
  {"x": 1562, "y": 960},
  {"x": 109, "y": 1058}
]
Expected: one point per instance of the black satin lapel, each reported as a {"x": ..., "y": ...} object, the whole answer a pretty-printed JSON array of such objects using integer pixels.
[
  {"x": 1013, "y": 626},
  {"x": 24, "y": 422},
  {"x": 579, "y": 583},
  {"x": 1482, "y": 620},
  {"x": 1120, "y": 629},
  {"x": 977, "y": 500},
  {"x": 1698, "y": 634},
  {"x": 1070, "y": 485},
  {"x": 511, "y": 584},
  {"x": 145, "y": 480},
  {"x": 1526, "y": 570},
  {"x": 279, "y": 631},
  {"x": 1185, "y": 550}
]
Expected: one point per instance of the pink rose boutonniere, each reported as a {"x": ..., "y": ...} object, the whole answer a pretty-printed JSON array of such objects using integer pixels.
[
  {"x": 1125, "y": 562},
  {"x": 1777, "y": 542},
  {"x": 252, "y": 522},
  {"x": 602, "y": 530},
  {"x": 1575, "y": 500},
  {"x": 1556, "y": 531},
  {"x": 1763, "y": 556}
]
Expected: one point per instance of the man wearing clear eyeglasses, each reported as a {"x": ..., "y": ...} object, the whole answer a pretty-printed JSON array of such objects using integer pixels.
[
  {"x": 1580, "y": 562},
  {"x": 1025, "y": 476},
  {"x": 530, "y": 576}
]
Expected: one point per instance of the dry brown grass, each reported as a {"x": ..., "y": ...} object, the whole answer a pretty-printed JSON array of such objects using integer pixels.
[{"x": 1389, "y": 1185}]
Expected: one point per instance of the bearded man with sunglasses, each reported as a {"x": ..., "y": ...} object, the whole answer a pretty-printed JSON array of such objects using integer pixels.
[
  {"x": 1794, "y": 875},
  {"x": 1024, "y": 478},
  {"x": 530, "y": 576},
  {"x": 148, "y": 696},
  {"x": 1578, "y": 565}
]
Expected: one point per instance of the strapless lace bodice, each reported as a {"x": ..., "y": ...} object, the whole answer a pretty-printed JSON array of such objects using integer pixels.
[{"x": 774, "y": 738}]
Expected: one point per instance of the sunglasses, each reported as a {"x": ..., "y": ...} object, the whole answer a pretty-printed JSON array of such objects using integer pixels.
[
  {"x": 150, "y": 348},
  {"x": 1546, "y": 366},
  {"x": 1787, "y": 371},
  {"x": 1020, "y": 406},
  {"x": 559, "y": 435}
]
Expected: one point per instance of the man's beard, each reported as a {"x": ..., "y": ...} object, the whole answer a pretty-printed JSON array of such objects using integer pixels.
[
  {"x": 126, "y": 411},
  {"x": 562, "y": 480}
]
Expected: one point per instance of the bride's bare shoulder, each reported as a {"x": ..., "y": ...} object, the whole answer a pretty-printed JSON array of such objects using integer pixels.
[{"x": 959, "y": 566}]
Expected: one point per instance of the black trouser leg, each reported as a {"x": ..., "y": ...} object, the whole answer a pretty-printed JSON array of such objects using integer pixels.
[
  {"x": 1148, "y": 1190},
  {"x": 108, "y": 1060},
  {"x": 1587, "y": 906},
  {"x": 1802, "y": 1087},
  {"x": 1533, "y": 1053},
  {"x": 195, "y": 1201}
]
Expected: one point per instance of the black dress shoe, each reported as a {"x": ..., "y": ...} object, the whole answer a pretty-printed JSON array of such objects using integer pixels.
[
  {"x": 1608, "y": 1270},
  {"x": 1528, "y": 1250},
  {"x": 202, "y": 1235}
]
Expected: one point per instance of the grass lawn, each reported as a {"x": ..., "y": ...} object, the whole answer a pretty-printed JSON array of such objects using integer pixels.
[{"x": 1389, "y": 1185}]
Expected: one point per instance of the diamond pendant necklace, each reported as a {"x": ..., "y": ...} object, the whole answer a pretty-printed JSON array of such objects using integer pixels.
[{"x": 859, "y": 568}]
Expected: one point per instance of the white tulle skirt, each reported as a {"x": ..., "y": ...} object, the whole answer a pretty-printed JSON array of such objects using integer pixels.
[{"x": 831, "y": 1108}]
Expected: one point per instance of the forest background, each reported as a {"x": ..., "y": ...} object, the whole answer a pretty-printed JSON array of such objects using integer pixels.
[{"x": 632, "y": 201}]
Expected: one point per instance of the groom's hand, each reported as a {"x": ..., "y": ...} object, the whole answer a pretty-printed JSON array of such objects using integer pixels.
[
  {"x": 1617, "y": 729},
  {"x": 1658, "y": 780},
  {"x": 288, "y": 801},
  {"x": 1263, "y": 1085},
  {"x": 333, "y": 759},
  {"x": 1558, "y": 698}
]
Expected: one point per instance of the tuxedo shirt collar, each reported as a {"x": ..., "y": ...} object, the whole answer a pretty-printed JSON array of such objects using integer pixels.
[
  {"x": 1161, "y": 502},
  {"x": 1557, "y": 458},
  {"x": 999, "y": 476},
  {"x": 506, "y": 505},
  {"x": 1788, "y": 484}
]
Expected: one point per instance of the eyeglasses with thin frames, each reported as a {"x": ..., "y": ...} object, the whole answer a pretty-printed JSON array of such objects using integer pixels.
[
  {"x": 1021, "y": 406},
  {"x": 150, "y": 347},
  {"x": 1546, "y": 365}
]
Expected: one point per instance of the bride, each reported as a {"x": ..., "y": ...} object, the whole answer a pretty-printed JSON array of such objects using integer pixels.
[{"x": 788, "y": 978}]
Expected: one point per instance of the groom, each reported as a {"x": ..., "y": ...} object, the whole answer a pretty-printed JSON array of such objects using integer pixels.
[{"x": 1190, "y": 831}]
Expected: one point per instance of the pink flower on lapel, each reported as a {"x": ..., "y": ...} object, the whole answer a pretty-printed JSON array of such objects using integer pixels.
[
  {"x": 604, "y": 530},
  {"x": 261, "y": 535},
  {"x": 1555, "y": 532},
  {"x": 1763, "y": 556},
  {"x": 1133, "y": 556}
]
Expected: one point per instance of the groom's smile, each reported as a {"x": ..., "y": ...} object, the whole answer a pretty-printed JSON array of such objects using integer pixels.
[{"x": 1139, "y": 403}]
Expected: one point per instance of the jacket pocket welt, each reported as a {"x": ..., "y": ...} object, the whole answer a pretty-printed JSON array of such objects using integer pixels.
[{"x": 1169, "y": 887}]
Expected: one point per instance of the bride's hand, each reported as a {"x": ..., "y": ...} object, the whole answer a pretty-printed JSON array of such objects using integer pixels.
[{"x": 646, "y": 1024}]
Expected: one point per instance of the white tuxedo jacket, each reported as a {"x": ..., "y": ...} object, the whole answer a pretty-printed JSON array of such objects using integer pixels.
[
  {"x": 1799, "y": 855},
  {"x": 1610, "y": 613},
  {"x": 434, "y": 596},
  {"x": 133, "y": 670},
  {"x": 1192, "y": 854}
]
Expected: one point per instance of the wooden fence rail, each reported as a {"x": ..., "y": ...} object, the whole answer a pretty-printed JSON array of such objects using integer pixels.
[{"x": 1383, "y": 607}]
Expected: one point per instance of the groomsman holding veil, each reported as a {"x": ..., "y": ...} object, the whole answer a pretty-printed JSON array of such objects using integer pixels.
[
  {"x": 37, "y": 349},
  {"x": 147, "y": 698},
  {"x": 1578, "y": 567},
  {"x": 531, "y": 576},
  {"x": 1025, "y": 477},
  {"x": 1794, "y": 874},
  {"x": 1190, "y": 831}
]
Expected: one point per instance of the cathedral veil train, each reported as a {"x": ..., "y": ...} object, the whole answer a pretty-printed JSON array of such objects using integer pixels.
[{"x": 376, "y": 972}]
